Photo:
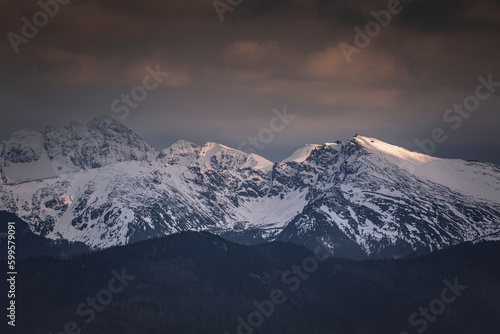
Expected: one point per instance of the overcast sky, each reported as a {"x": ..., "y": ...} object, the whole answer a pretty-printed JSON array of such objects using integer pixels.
[{"x": 226, "y": 77}]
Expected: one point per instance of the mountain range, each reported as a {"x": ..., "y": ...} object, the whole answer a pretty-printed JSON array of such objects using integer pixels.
[{"x": 101, "y": 185}]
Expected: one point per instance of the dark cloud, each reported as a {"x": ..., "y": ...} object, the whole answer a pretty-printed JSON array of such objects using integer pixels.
[
  {"x": 255, "y": 8},
  {"x": 432, "y": 14},
  {"x": 340, "y": 12},
  {"x": 449, "y": 15}
]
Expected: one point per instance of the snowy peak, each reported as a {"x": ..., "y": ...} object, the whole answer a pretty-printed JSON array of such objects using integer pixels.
[
  {"x": 23, "y": 147},
  {"x": 310, "y": 151},
  {"x": 380, "y": 159},
  {"x": 217, "y": 156},
  {"x": 301, "y": 154},
  {"x": 377, "y": 146},
  {"x": 211, "y": 156},
  {"x": 107, "y": 122},
  {"x": 181, "y": 152},
  {"x": 30, "y": 155},
  {"x": 100, "y": 142},
  {"x": 183, "y": 145},
  {"x": 474, "y": 179},
  {"x": 358, "y": 146}
]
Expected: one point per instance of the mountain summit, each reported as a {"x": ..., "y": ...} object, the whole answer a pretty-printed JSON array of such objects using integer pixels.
[
  {"x": 100, "y": 184},
  {"x": 30, "y": 155}
]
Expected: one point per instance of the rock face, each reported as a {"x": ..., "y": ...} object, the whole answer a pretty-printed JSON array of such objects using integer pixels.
[{"x": 100, "y": 184}]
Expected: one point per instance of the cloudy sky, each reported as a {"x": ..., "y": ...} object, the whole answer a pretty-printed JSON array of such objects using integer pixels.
[{"x": 226, "y": 76}]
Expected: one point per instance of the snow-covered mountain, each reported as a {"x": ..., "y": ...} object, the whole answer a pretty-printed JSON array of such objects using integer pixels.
[
  {"x": 382, "y": 200},
  {"x": 100, "y": 184}
]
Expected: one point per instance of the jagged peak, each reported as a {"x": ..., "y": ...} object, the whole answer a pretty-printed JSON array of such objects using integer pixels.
[
  {"x": 369, "y": 144},
  {"x": 213, "y": 147},
  {"x": 182, "y": 152},
  {"x": 22, "y": 136},
  {"x": 108, "y": 124},
  {"x": 74, "y": 146},
  {"x": 240, "y": 159},
  {"x": 100, "y": 124},
  {"x": 376, "y": 145},
  {"x": 24, "y": 145},
  {"x": 305, "y": 151},
  {"x": 182, "y": 144},
  {"x": 301, "y": 154},
  {"x": 212, "y": 155},
  {"x": 25, "y": 132}
]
